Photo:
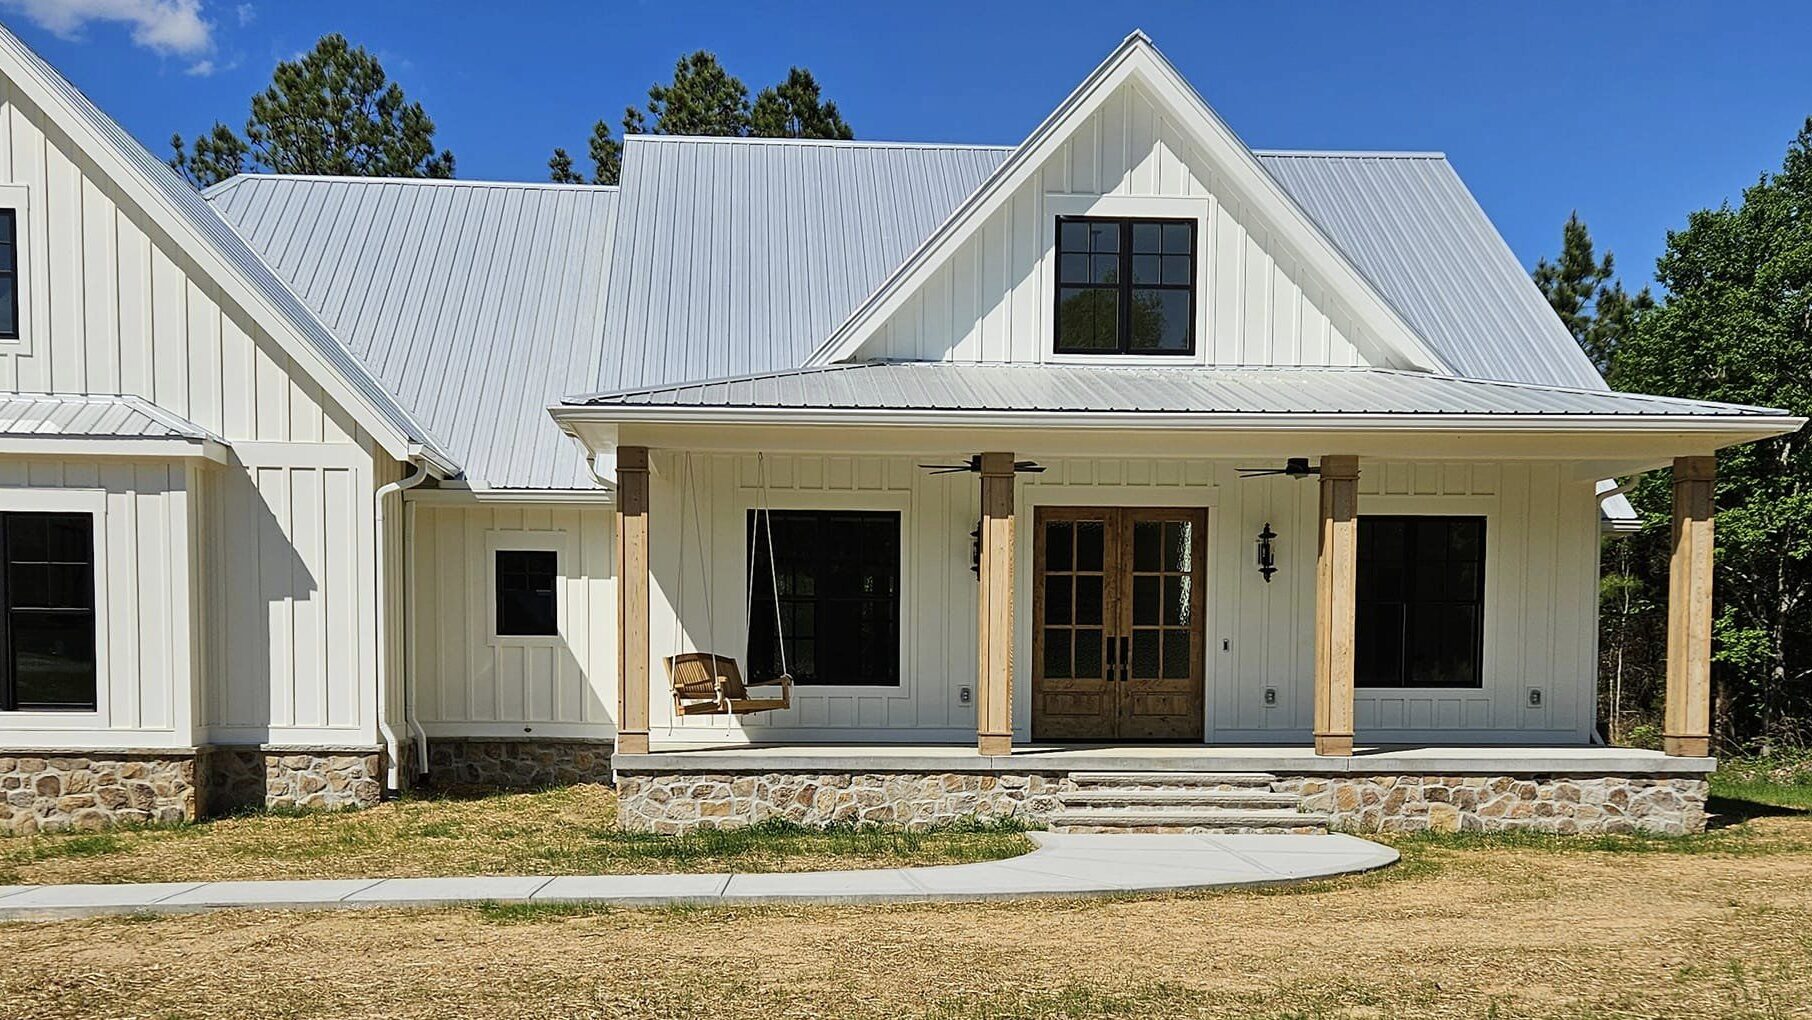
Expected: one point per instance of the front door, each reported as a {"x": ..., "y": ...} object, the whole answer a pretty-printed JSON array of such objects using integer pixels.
[{"x": 1117, "y": 623}]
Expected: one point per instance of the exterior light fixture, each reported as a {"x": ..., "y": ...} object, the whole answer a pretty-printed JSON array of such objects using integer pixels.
[{"x": 1267, "y": 557}]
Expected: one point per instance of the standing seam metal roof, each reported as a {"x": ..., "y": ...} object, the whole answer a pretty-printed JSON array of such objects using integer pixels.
[
  {"x": 477, "y": 304},
  {"x": 93, "y": 417}
]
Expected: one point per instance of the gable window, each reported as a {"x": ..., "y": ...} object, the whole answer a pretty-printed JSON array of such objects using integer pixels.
[
  {"x": 1421, "y": 602},
  {"x": 9, "y": 274},
  {"x": 527, "y": 600},
  {"x": 47, "y": 652},
  {"x": 838, "y": 574},
  {"x": 1125, "y": 286}
]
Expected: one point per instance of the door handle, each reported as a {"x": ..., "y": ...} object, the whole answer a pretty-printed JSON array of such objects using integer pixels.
[{"x": 1125, "y": 658}]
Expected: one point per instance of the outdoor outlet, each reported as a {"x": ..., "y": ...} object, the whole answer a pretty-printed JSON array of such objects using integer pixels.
[
  {"x": 1535, "y": 697},
  {"x": 962, "y": 695},
  {"x": 1270, "y": 695}
]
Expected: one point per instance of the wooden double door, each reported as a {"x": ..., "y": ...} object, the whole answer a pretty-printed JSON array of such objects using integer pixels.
[{"x": 1117, "y": 623}]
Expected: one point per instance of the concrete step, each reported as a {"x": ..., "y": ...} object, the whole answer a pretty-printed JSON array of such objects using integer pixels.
[
  {"x": 1235, "y": 798},
  {"x": 1203, "y": 820},
  {"x": 1171, "y": 780}
]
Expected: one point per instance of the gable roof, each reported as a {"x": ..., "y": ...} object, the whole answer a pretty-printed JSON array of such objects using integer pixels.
[
  {"x": 1384, "y": 336},
  {"x": 181, "y": 212},
  {"x": 476, "y": 304}
]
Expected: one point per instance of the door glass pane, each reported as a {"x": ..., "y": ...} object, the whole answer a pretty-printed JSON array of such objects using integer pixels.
[
  {"x": 1147, "y": 546},
  {"x": 1057, "y": 538},
  {"x": 1146, "y": 600},
  {"x": 1056, "y": 599},
  {"x": 1177, "y": 536},
  {"x": 1176, "y": 655},
  {"x": 1088, "y": 652},
  {"x": 1176, "y": 600},
  {"x": 1091, "y": 545},
  {"x": 1145, "y": 654},
  {"x": 1057, "y": 653},
  {"x": 1088, "y": 599}
]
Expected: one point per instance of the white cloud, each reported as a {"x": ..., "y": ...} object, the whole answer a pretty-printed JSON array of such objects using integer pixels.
[
  {"x": 246, "y": 14},
  {"x": 168, "y": 27}
]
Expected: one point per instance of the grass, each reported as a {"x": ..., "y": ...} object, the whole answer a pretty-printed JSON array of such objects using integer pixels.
[{"x": 556, "y": 832}]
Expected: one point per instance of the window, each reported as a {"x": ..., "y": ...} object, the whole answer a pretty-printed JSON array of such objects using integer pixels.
[
  {"x": 839, "y": 577},
  {"x": 1125, "y": 286},
  {"x": 527, "y": 602},
  {"x": 47, "y": 590},
  {"x": 9, "y": 274},
  {"x": 1421, "y": 602}
]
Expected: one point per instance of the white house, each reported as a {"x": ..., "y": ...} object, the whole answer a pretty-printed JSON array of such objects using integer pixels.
[{"x": 954, "y": 437}]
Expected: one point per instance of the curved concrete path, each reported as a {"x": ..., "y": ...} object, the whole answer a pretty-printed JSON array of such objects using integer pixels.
[{"x": 1063, "y": 865}]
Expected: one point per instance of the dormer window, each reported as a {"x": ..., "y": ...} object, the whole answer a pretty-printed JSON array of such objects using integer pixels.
[{"x": 1125, "y": 286}]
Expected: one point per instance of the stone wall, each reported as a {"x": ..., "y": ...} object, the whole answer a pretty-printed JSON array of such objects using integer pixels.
[
  {"x": 676, "y": 802},
  {"x": 58, "y": 791},
  {"x": 253, "y": 778},
  {"x": 517, "y": 763},
  {"x": 1558, "y": 804}
]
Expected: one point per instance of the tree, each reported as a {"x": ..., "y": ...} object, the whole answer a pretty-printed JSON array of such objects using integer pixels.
[
  {"x": 333, "y": 111},
  {"x": 795, "y": 109},
  {"x": 1736, "y": 325},
  {"x": 1586, "y": 295},
  {"x": 704, "y": 99}
]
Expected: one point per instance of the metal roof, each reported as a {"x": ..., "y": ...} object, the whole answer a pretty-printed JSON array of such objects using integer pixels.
[
  {"x": 1022, "y": 388},
  {"x": 93, "y": 417},
  {"x": 1409, "y": 224},
  {"x": 192, "y": 208},
  {"x": 476, "y": 304}
]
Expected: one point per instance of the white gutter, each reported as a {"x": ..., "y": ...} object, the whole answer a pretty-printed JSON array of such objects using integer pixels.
[{"x": 392, "y": 745}]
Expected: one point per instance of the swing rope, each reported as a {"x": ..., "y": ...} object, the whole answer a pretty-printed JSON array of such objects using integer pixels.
[{"x": 763, "y": 519}]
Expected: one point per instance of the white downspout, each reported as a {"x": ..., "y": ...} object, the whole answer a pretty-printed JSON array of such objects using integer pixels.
[{"x": 392, "y": 745}]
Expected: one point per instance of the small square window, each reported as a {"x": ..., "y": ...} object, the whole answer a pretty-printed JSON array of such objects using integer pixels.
[
  {"x": 527, "y": 596},
  {"x": 1125, "y": 286}
]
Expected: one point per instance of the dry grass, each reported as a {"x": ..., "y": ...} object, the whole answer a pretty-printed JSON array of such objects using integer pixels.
[
  {"x": 571, "y": 831},
  {"x": 1506, "y": 929}
]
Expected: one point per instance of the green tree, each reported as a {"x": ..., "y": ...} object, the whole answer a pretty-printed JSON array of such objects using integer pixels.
[
  {"x": 704, "y": 99},
  {"x": 795, "y": 108},
  {"x": 1736, "y": 325},
  {"x": 333, "y": 111},
  {"x": 1585, "y": 293}
]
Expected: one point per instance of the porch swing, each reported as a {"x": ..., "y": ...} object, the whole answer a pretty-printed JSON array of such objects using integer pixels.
[{"x": 710, "y": 683}]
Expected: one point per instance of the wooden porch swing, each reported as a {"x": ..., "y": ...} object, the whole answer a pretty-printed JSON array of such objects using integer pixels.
[{"x": 710, "y": 683}]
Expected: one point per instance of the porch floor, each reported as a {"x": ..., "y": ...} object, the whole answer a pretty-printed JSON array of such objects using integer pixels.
[{"x": 1293, "y": 760}]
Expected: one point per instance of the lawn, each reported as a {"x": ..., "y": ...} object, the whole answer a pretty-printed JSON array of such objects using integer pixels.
[{"x": 571, "y": 831}]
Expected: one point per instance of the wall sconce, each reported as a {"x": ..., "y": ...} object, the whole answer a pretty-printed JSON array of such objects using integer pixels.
[{"x": 1267, "y": 557}]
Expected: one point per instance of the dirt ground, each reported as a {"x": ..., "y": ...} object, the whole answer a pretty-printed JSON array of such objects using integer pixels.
[{"x": 1718, "y": 929}]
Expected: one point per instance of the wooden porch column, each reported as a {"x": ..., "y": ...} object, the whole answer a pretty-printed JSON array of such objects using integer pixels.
[
  {"x": 632, "y": 600},
  {"x": 994, "y": 634},
  {"x": 1335, "y": 595},
  {"x": 1686, "y": 727}
]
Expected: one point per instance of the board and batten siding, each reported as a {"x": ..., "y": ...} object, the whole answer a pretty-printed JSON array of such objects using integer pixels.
[
  {"x": 149, "y": 563},
  {"x": 471, "y": 683},
  {"x": 992, "y": 301},
  {"x": 1541, "y": 579},
  {"x": 112, "y": 305}
]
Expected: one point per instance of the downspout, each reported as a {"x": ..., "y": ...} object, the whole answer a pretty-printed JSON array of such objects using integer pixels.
[{"x": 392, "y": 745}]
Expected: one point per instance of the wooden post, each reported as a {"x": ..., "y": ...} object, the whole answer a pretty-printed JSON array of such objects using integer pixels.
[
  {"x": 994, "y": 677},
  {"x": 1336, "y": 565},
  {"x": 632, "y": 600},
  {"x": 1686, "y": 723}
]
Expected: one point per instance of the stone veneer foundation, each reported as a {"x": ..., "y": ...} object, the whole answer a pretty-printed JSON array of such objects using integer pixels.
[
  {"x": 54, "y": 791},
  {"x": 249, "y": 778},
  {"x": 517, "y": 763},
  {"x": 673, "y": 801}
]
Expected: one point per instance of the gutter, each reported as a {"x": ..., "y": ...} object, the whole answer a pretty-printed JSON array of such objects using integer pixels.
[{"x": 392, "y": 744}]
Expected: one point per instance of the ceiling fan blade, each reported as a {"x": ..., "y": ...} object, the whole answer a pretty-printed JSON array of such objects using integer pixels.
[
  {"x": 1030, "y": 467},
  {"x": 1259, "y": 472}
]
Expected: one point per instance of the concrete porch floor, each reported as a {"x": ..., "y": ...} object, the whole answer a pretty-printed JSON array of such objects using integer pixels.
[{"x": 1294, "y": 760}]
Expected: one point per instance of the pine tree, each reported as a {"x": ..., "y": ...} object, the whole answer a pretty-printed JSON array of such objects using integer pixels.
[
  {"x": 606, "y": 155},
  {"x": 702, "y": 99},
  {"x": 1584, "y": 292},
  {"x": 333, "y": 111},
  {"x": 795, "y": 108},
  {"x": 560, "y": 168}
]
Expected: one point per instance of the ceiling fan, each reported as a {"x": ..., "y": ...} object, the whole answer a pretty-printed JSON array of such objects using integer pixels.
[
  {"x": 1295, "y": 467},
  {"x": 1023, "y": 467}
]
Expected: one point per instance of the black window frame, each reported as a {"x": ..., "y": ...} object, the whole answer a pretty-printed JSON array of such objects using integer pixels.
[
  {"x": 9, "y": 678},
  {"x": 9, "y": 267},
  {"x": 830, "y": 557},
  {"x": 502, "y": 597},
  {"x": 1124, "y": 287},
  {"x": 1412, "y": 556}
]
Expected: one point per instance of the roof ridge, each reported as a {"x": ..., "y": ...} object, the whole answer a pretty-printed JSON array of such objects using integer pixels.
[
  {"x": 845, "y": 143},
  {"x": 1350, "y": 153},
  {"x": 236, "y": 179}
]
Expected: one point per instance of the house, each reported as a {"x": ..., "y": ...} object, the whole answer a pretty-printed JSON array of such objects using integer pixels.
[{"x": 310, "y": 487}]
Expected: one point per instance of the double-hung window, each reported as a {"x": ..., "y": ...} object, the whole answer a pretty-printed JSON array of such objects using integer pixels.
[
  {"x": 1125, "y": 286},
  {"x": 9, "y": 274},
  {"x": 1421, "y": 602},
  {"x": 528, "y": 603},
  {"x": 837, "y": 573},
  {"x": 47, "y": 632}
]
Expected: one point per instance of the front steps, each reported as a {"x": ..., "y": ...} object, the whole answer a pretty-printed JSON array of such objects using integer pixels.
[{"x": 1181, "y": 802}]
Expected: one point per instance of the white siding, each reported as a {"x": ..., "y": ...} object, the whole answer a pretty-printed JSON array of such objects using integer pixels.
[
  {"x": 469, "y": 683},
  {"x": 1539, "y": 626},
  {"x": 993, "y": 300},
  {"x": 148, "y": 563}
]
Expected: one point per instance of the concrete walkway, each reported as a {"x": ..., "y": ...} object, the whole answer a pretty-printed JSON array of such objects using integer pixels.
[{"x": 1062, "y": 865}]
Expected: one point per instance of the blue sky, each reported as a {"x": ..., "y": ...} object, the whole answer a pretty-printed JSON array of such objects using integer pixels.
[{"x": 1633, "y": 113}]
